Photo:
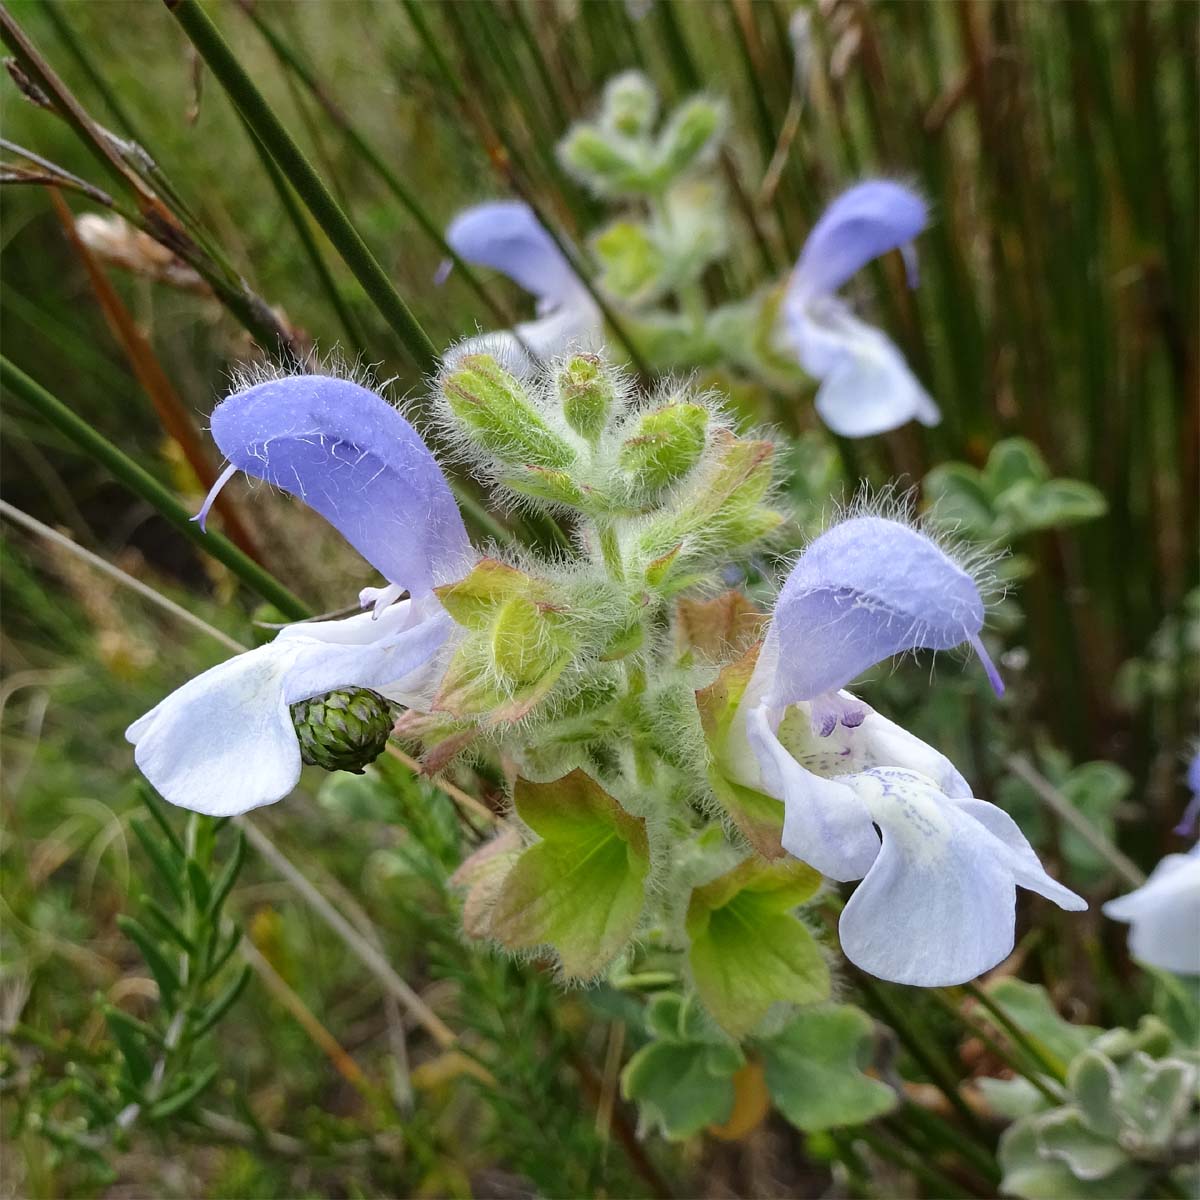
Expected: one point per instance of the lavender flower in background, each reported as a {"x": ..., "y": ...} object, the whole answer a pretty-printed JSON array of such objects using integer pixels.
[
  {"x": 224, "y": 742},
  {"x": 506, "y": 236},
  {"x": 1191, "y": 814},
  {"x": 1164, "y": 915},
  {"x": 866, "y": 386},
  {"x": 862, "y": 798}
]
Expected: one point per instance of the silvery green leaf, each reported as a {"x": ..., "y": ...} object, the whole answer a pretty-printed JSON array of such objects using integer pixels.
[
  {"x": 1094, "y": 1083},
  {"x": 1030, "y": 1175},
  {"x": 1064, "y": 1136}
]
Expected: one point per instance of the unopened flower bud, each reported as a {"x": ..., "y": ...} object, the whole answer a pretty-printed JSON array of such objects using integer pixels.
[
  {"x": 586, "y": 394},
  {"x": 497, "y": 415},
  {"x": 603, "y": 160},
  {"x": 343, "y": 730},
  {"x": 630, "y": 103},
  {"x": 693, "y": 131},
  {"x": 666, "y": 444}
]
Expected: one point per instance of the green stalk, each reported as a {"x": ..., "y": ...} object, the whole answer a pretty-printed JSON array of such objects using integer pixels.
[
  {"x": 308, "y": 243},
  {"x": 142, "y": 483},
  {"x": 293, "y": 63},
  {"x": 1050, "y": 1063},
  {"x": 259, "y": 115},
  {"x": 1026, "y": 1069},
  {"x": 927, "y": 1056}
]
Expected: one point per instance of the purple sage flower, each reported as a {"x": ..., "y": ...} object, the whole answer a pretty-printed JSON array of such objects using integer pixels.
[
  {"x": 863, "y": 799},
  {"x": 866, "y": 386},
  {"x": 506, "y": 236},
  {"x": 224, "y": 742}
]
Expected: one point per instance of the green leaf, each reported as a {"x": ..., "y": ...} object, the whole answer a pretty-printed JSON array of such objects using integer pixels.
[
  {"x": 1031, "y": 1008},
  {"x": 681, "y": 1087},
  {"x": 129, "y": 1039},
  {"x": 958, "y": 497},
  {"x": 814, "y": 1070},
  {"x": 1063, "y": 1135},
  {"x": 169, "y": 867},
  {"x": 748, "y": 951},
  {"x": 758, "y": 817},
  {"x": 1093, "y": 1081},
  {"x": 185, "y": 1095},
  {"x": 1028, "y": 506},
  {"x": 164, "y": 974},
  {"x": 1067, "y": 502},
  {"x": 582, "y": 887},
  {"x": 227, "y": 878},
  {"x": 1013, "y": 461},
  {"x": 1096, "y": 789},
  {"x": 1031, "y": 1175},
  {"x": 223, "y": 1003}
]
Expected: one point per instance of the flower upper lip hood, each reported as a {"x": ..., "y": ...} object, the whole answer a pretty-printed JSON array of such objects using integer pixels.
[
  {"x": 347, "y": 453},
  {"x": 224, "y": 742},
  {"x": 862, "y": 798},
  {"x": 506, "y": 236},
  {"x": 866, "y": 386},
  {"x": 1164, "y": 914},
  {"x": 866, "y": 589}
]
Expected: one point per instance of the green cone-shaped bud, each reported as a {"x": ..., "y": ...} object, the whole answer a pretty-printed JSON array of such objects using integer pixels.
[
  {"x": 693, "y": 130},
  {"x": 630, "y": 104},
  {"x": 666, "y": 444},
  {"x": 586, "y": 394},
  {"x": 343, "y": 730},
  {"x": 497, "y": 415}
]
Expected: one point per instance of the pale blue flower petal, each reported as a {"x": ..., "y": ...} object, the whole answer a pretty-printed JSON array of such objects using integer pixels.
[
  {"x": 866, "y": 386},
  {"x": 224, "y": 743},
  {"x": 350, "y": 455},
  {"x": 506, "y": 236},
  {"x": 825, "y": 823},
  {"x": 864, "y": 222},
  {"x": 1165, "y": 915},
  {"x": 864, "y": 590},
  {"x": 938, "y": 907}
]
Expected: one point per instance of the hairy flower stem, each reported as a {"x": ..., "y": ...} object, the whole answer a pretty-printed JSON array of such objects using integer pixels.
[
  {"x": 241, "y": 89},
  {"x": 143, "y": 484}
]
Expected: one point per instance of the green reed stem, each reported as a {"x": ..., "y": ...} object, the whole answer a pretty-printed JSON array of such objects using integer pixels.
[
  {"x": 1028, "y": 1070},
  {"x": 917, "y": 1043},
  {"x": 308, "y": 243},
  {"x": 1050, "y": 1063},
  {"x": 394, "y": 184},
  {"x": 888, "y": 1146},
  {"x": 143, "y": 484},
  {"x": 309, "y": 186}
]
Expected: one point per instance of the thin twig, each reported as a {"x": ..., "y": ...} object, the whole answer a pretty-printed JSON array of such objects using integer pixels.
[
  {"x": 367, "y": 954},
  {"x": 1066, "y": 812},
  {"x": 122, "y": 577}
]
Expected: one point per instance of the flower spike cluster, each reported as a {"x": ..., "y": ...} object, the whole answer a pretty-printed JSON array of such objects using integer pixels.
[{"x": 582, "y": 671}]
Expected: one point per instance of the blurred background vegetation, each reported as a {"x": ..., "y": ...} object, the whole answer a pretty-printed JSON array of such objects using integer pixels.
[{"x": 1059, "y": 145}]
